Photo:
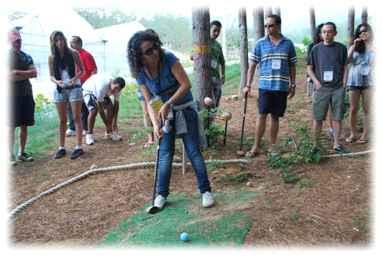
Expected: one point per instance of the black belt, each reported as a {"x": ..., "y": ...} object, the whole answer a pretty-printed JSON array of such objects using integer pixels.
[{"x": 59, "y": 89}]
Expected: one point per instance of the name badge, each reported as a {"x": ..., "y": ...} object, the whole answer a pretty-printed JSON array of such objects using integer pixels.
[
  {"x": 276, "y": 64},
  {"x": 328, "y": 76}
]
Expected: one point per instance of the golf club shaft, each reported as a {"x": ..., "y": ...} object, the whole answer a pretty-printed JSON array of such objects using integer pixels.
[
  {"x": 243, "y": 123},
  {"x": 156, "y": 167}
]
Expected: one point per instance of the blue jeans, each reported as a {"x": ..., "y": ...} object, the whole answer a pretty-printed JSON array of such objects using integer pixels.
[{"x": 191, "y": 143}]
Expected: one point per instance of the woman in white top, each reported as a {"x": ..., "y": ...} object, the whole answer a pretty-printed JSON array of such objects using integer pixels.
[
  {"x": 360, "y": 80},
  {"x": 65, "y": 69}
]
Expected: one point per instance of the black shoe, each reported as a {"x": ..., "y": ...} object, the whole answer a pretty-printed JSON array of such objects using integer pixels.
[
  {"x": 59, "y": 154},
  {"x": 25, "y": 157},
  {"x": 76, "y": 153},
  {"x": 341, "y": 150}
]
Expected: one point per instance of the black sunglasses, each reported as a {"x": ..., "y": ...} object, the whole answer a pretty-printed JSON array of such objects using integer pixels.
[
  {"x": 151, "y": 50},
  {"x": 269, "y": 25}
]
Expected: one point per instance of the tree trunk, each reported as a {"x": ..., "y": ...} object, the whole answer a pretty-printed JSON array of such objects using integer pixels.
[
  {"x": 312, "y": 16},
  {"x": 364, "y": 15},
  {"x": 243, "y": 49},
  {"x": 267, "y": 11},
  {"x": 258, "y": 18},
  {"x": 201, "y": 55},
  {"x": 350, "y": 25}
]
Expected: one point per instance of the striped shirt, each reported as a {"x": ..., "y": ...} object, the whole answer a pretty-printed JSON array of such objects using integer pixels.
[{"x": 274, "y": 62}]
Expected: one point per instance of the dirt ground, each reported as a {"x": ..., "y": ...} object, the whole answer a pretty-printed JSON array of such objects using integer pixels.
[{"x": 333, "y": 209}]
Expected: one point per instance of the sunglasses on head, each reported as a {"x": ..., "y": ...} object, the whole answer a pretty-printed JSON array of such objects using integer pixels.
[
  {"x": 151, "y": 50},
  {"x": 269, "y": 25}
]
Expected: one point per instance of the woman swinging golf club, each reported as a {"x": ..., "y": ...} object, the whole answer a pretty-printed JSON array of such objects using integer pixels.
[{"x": 159, "y": 74}]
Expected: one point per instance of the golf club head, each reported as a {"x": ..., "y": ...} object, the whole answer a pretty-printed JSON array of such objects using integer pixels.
[
  {"x": 240, "y": 153},
  {"x": 152, "y": 209}
]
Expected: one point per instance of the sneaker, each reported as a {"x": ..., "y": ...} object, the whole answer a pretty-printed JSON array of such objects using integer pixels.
[
  {"x": 159, "y": 201},
  {"x": 25, "y": 157},
  {"x": 89, "y": 139},
  {"x": 207, "y": 199},
  {"x": 76, "y": 153},
  {"x": 341, "y": 150},
  {"x": 116, "y": 137},
  {"x": 70, "y": 133},
  {"x": 107, "y": 135},
  {"x": 59, "y": 154}
]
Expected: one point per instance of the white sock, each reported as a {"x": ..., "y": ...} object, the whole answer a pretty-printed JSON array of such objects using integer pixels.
[
  {"x": 78, "y": 147},
  {"x": 61, "y": 147}
]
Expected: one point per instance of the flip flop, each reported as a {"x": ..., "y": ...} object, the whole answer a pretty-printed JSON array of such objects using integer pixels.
[
  {"x": 362, "y": 141},
  {"x": 350, "y": 140},
  {"x": 251, "y": 154}
]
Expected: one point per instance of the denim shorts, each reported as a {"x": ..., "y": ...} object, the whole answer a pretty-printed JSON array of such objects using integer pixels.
[{"x": 68, "y": 95}]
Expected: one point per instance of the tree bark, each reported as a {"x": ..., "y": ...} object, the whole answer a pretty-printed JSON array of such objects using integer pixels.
[
  {"x": 258, "y": 18},
  {"x": 350, "y": 25},
  {"x": 312, "y": 16},
  {"x": 243, "y": 49},
  {"x": 201, "y": 55},
  {"x": 364, "y": 15},
  {"x": 267, "y": 11}
]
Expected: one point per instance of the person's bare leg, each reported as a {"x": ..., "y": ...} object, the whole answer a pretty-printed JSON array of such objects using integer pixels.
[
  {"x": 61, "y": 110},
  {"x": 354, "y": 101},
  {"x": 337, "y": 132},
  {"x": 91, "y": 120},
  {"x": 76, "y": 109},
  {"x": 366, "y": 99},
  {"x": 317, "y": 127},
  {"x": 11, "y": 142},
  {"x": 274, "y": 129},
  {"x": 259, "y": 133},
  {"x": 23, "y": 138}
]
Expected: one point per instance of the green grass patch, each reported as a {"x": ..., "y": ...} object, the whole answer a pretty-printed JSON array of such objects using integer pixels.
[{"x": 184, "y": 214}]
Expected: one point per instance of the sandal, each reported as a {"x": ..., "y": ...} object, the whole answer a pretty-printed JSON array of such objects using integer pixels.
[
  {"x": 350, "y": 140},
  {"x": 251, "y": 154},
  {"x": 362, "y": 141}
]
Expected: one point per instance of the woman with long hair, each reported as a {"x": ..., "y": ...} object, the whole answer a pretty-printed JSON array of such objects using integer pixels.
[
  {"x": 65, "y": 69},
  {"x": 360, "y": 79},
  {"x": 160, "y": 76}
]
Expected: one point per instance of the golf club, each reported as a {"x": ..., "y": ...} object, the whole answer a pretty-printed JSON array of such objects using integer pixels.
[
  {"x": 153, "y": 209},
  {"x": 241, "y": 152}
]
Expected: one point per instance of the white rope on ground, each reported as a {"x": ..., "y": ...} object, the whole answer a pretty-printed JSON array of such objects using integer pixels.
[
  {"x": 139, "y": 165},
  {"x": 348, "y": 154}
]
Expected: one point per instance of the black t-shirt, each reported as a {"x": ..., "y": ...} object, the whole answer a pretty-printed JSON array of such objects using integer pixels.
[
  {"x": 20, "y": 61},
  {"x": 328, "y": 63}
]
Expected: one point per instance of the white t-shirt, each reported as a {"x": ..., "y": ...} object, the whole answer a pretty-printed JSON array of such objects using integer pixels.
[{"x": 99, "y": 86}]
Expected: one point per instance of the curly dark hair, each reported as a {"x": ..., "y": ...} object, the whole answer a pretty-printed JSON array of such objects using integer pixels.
[
  {"x": 134, "y": 53},
  {"x": 360, "y": 46},
  {"x": 66, "y": 61}
]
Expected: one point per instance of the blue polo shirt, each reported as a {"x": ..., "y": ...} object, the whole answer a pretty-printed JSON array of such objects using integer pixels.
[
  {"x": 274, "y": 61},
  {"x": 165, "y": 81}
]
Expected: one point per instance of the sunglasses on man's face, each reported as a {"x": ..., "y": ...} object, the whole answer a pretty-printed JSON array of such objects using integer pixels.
[
  {"x": 269, "y": 25},
  {"x": 150, "y": 51}
]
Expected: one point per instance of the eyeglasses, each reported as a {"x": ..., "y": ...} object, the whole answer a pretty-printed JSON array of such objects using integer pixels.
[
  {"x": 151, "y": 50},
  {"x": 269, "y": 25}
]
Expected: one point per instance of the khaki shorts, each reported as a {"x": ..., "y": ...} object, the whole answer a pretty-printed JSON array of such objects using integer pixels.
[{"x": 325, "y": 97}]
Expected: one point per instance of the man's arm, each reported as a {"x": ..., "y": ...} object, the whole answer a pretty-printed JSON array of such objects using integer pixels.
[
  {"x": 18, "y": 75},
  {"x": 292, "y": 77},
  {"x": 115, "y": 115},
  {"x": 250, "y": 73},
  {"x": 312, "y": 75}
]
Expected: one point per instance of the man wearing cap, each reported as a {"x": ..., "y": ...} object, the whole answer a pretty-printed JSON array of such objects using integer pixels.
[{"x": 21, "y": 95}]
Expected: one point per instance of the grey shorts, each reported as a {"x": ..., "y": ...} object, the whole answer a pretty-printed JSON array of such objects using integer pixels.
[
  {"x": 325, "y": 97},
  {"x": 68, "y": 95}
]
